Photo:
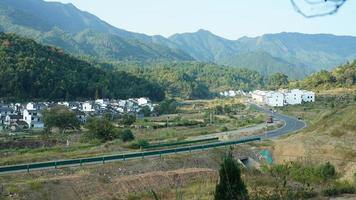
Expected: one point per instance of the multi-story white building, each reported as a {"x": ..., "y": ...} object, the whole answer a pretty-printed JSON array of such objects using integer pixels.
[
  {"x": 282, "y": 97},
  {"x": 87, "y": 107},
  {"x": 259, "y": 96},
  {"x": 293, "y": 97},
  {"x": 33, "y": 118},
  {"x": 308, "y": 96},
  {"x": 275, "y": 99}
]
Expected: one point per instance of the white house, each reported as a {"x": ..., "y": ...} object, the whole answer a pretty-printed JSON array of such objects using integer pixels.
[
  {"x": 293, "y": 97},
  {"x": 308, "y": 96},
  {"x": 259, "y": 96},
  {"x": 33, "y": 118},
  {"x": 143, "y": 101},
  {"x": 275, "y": 99},
  {"x": 87, "y": 107}
]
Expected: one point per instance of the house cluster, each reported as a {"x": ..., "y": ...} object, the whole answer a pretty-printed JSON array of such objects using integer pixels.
[
  {"x": 232, "y": 93},
  {"x": 282, "y": 97},
  {"x": 16, "y": 116}
]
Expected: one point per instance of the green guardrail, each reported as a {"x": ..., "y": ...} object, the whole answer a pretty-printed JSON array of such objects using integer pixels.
[
  {"x": 159, "y": 145},
  {"x": 103, "y": 159}
]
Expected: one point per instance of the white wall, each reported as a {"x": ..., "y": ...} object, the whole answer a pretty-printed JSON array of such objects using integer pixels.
[{"x": 275, "y": 99}]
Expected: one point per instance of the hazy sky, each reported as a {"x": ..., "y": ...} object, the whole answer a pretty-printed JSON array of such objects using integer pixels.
[{"x": 228, "y": 18}]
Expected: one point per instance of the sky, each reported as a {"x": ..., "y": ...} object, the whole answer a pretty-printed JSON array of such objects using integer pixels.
[{"x": 231, "y": 19}]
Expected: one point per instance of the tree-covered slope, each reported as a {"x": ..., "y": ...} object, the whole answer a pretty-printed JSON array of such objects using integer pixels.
[
  {"x": 195, "y": 80},
  {"x": 267, "y": 65},
  {"x": 317, "y": 51},
  {"x": 205, "y": 46},
  {"x": 343, "y": 76},
  {"x": 294, "y": 54},
  {"x": 67, "y": 27},
  {"x": 29, "y": 70}
]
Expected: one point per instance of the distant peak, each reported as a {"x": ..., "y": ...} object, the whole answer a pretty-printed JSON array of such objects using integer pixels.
[{"x": 203, "y": 31}]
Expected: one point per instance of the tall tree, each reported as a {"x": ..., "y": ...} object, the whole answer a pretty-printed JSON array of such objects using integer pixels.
[
  {"x": 277, "y": 80},
  {"x": 230, "y": 186},
  {"x": 61, "y": 118}
]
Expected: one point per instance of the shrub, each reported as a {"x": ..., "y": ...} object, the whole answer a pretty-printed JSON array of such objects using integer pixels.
[
  {"x": 126, "y": 135},
  {"x": 101, "y": 129},
  {"x": 223, "y": 129},
  {"x": 127, "y": 119},
  {"x": 230, "y": 186},
  {"x": 140, "y": 144},
  {"x": 327, "y": 171},
  {"x": 340, "y": 188}
]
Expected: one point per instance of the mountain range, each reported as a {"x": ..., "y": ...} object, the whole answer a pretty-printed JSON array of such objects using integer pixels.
[{"x": 81, "y": 33}]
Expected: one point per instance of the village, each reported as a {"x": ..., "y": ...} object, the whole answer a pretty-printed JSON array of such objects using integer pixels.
[
  {"x": 22, "y": 116},
  {"x": 282, "y": 97},
  {"x": 278, "y": 98}
]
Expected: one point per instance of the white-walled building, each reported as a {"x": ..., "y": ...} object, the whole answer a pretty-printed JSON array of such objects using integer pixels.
[
  {"x": 282, "y": 97},
  {"x": 308, "y": 96},
  {"x": 259, "y": 96},
  {"x": 143, "y": 101},
  {"x": 293, "y": 97},
  {"x": 275, "y": 99},
  {"x": 87, "y": 107},
  {"x": 33, "y": 118}
]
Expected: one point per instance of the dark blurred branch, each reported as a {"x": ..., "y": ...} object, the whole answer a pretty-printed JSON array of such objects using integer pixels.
[{"x": 336, "y": 5}]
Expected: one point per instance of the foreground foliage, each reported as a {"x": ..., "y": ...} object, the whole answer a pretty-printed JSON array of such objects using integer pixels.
[{"x": 231, "y": 186}]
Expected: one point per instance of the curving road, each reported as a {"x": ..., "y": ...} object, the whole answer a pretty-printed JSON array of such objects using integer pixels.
[{"x": 291, "y": 125}]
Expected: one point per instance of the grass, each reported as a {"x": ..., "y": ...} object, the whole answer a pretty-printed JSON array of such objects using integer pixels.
[
  {"x": 180, "y": 127},
  {"x": 330, "y": 134}
]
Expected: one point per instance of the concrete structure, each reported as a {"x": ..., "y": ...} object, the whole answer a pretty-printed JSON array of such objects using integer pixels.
[
  {"x": 274, "y": 99},
  {"x": 308, "y": 96},
  {"x": 33, "y": 118},
  {"x": 282, "y": 97},
  {"x": 293, "y": 97}
]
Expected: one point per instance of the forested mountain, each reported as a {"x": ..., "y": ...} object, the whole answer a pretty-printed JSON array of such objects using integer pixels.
[
  {"x": 343, "y": 76},
  {"x": 81, "y": 33},
  {"x": 295, "y": 54},
  {"x": 195, "y": 80},
  {"x": 84, "y": 34},
  {"x": 30, "y": 71}
]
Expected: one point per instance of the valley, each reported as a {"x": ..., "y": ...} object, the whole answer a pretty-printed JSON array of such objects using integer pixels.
[{"x": 179, "y": 100}]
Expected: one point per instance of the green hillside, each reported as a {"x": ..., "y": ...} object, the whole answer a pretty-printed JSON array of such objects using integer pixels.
[
  {"x": 294, "y": 54},
  {"x": 29, "y": 70},
  {"x": 343, "y": 76},
  {"x": 80, "y": 33},
  {"x": 194, "y": 80},
  {"x": 267, "y": 65}
]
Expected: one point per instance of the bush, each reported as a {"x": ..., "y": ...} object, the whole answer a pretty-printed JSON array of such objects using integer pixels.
[
  {"x": 223, "y": 129},
  {"x": 327, "y": 171},
  {"x": 230, "y": 186},
  {"x": 127, "y": 119},
  {"x": 140, "y": 144},
  {"x": 340, "y": 188},
  {"x": 126, "y": 135},
  {"x": 167, "y": 106},
  {"x": 101, "y": 129}
]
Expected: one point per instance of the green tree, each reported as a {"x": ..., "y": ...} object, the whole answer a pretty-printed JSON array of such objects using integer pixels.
[
  {"x": 60, "y": 117},
  {"x": 230, "y": 186},
  {"x": 127, "y": 119},
  {"x": 146, "y": 111},
  {"x": 127, "y": 135},
  {"x": 327, "y": 171},
  {"x": 167, "y": 106},
  {"x": 101, "y": 129},
  {"x": 277, "y": 80}
]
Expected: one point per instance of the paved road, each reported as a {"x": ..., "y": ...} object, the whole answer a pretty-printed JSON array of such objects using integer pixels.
[{"x": 291, "y": 124}]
